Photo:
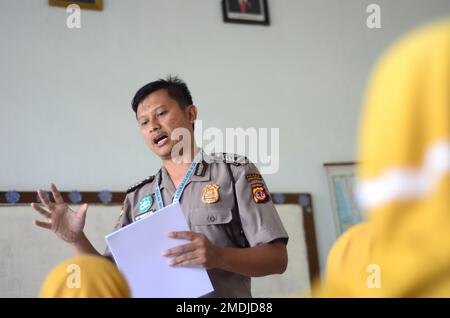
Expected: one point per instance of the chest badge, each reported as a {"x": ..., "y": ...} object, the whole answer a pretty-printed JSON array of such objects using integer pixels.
[
  {"x": 210, "y": 194},
  {"x": 145, "y": 203}
]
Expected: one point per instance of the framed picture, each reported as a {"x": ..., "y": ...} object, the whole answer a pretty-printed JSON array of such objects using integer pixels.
[
  {"x": 84, "y": 4},
  {"x": 341, "y": 182},
  {"x": 246, "y": 11}
]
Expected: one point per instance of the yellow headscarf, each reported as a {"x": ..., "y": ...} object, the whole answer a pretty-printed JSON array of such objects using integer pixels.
[
  {"x": 86, "y": 276},
  {"x": 403, "y": 250}
]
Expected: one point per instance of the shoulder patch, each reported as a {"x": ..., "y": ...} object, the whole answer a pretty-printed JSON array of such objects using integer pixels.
[
  {"x": 260, "y": 194},
  {"x": 254, "y": 176},
  {"x": 232, "y": 158},
  {"x": 140, "y": 184}
]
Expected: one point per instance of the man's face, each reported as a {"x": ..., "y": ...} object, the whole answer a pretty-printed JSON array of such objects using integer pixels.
[{"x": 158, "y": 115}]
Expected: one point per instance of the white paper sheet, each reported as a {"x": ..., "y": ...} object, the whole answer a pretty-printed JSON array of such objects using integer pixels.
[{"x": 137, "y": 250}]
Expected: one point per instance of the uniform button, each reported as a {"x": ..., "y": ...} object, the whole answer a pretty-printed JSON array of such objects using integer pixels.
[{"x": 211, "y": 218}]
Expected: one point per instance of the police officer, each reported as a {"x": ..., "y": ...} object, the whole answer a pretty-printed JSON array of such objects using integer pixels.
[{"x": 236, "y": 232}]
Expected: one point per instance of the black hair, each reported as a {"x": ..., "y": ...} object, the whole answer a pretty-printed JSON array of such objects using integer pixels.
[{"x": 175, "y": 87}]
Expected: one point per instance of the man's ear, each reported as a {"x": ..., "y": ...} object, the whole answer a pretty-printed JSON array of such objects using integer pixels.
[{"x": 192, "y": 113}]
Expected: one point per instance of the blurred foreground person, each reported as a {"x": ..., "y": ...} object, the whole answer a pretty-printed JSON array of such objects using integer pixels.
[
  {"x": 85, "y": 276},
  {"x": 403, "y": 250}
]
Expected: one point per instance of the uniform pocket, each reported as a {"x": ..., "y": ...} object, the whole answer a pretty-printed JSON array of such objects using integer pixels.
[{"x": 211, "y": 217}]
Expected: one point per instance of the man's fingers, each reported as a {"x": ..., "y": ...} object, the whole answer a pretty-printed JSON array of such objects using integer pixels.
[
  {"x": 44, "y": 225},
  {"x": 191, "y": 262},
  {"x": 41, "y": 211},
  {"x": 58, "y": 197},
  {"x": 183, "y": 235},
  {"x": 180, "y": 249},
  {"x": 44, "y": 199},
  {"x": 186, "y": 259}
]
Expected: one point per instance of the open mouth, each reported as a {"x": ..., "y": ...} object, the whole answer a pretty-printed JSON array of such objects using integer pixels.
[{"x": 160, "y": 139}]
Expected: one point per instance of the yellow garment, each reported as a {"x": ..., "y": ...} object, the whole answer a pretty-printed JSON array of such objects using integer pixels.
[
  {"x": 404, "y": 178},
  {"x": 86, "y": 276}
]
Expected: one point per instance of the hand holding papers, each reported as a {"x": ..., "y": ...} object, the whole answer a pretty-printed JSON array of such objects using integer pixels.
[{"x": 137, "y": 250}]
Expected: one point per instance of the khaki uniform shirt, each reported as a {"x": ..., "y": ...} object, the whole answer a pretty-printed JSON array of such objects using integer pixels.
[{"x": 221, "y": 190}]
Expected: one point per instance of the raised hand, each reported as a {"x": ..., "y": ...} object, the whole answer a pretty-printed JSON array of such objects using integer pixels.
[{"x": 62, "y": 220}]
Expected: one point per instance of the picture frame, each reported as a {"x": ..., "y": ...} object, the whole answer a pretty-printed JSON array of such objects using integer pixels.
[
  {"x": 246, "y": 11},
  {"x": 341, "y": 177},
  {"x": 84, "y": 4}
]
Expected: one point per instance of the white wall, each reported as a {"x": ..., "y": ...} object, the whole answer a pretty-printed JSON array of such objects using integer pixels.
[{"x": 65, "y": 94}]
